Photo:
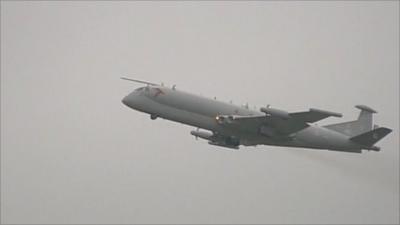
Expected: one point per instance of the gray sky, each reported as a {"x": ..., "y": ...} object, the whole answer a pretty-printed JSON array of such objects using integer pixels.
[{"x": 72, "y": 153}]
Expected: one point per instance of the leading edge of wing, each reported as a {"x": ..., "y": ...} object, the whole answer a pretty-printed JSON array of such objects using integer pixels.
[
  {"x": 313, "y": 115},
  {"x": 285, "y": 124}
]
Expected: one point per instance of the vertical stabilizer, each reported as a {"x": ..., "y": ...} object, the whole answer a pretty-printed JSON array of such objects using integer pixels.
[
  {"x": 361, "y": 125},
  {"x": 365, "y": 116}
]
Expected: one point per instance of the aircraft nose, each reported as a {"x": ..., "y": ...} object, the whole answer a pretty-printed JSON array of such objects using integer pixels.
[
  {"x": 125, "y": 100},
  {"x": 131, "y": 100}
]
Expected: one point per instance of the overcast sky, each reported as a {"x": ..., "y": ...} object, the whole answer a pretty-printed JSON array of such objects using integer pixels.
[{"x": 71, "y": 152}]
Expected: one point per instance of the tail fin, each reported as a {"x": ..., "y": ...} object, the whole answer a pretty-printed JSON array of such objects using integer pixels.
[
  {"x": 353, "y": 128},
  {"x": 368, "y": 139}
]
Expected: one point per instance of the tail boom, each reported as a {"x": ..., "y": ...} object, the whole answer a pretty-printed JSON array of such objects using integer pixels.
[{"x": 361, "y": 131}]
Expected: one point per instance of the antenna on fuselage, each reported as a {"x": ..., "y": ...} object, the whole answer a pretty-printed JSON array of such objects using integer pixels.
[{"x": 139, "y": 81}]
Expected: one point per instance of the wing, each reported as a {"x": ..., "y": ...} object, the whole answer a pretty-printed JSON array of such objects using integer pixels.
[
  {"x": 282, "y": 123},
  {"x": 313, "y": 115},
  {"x": 298, "y": 121}
]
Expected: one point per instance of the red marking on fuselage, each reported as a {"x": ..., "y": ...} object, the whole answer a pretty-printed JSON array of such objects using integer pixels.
[{"x": 159, "y": 92}]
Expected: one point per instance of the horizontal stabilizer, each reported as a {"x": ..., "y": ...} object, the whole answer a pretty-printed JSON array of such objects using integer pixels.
[
  {"x": 371, "y": 137},
  {"x": 366, "y": 108}
]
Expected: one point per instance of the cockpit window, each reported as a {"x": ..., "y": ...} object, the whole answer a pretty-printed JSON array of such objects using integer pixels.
[{"x": 139, "y": 89}]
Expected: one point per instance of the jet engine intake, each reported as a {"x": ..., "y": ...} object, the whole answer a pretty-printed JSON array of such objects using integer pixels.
[{"x": 223, "y": 119}]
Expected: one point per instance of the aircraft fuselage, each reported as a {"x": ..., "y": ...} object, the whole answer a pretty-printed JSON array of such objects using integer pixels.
[{"x": 201, "y": 112}]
